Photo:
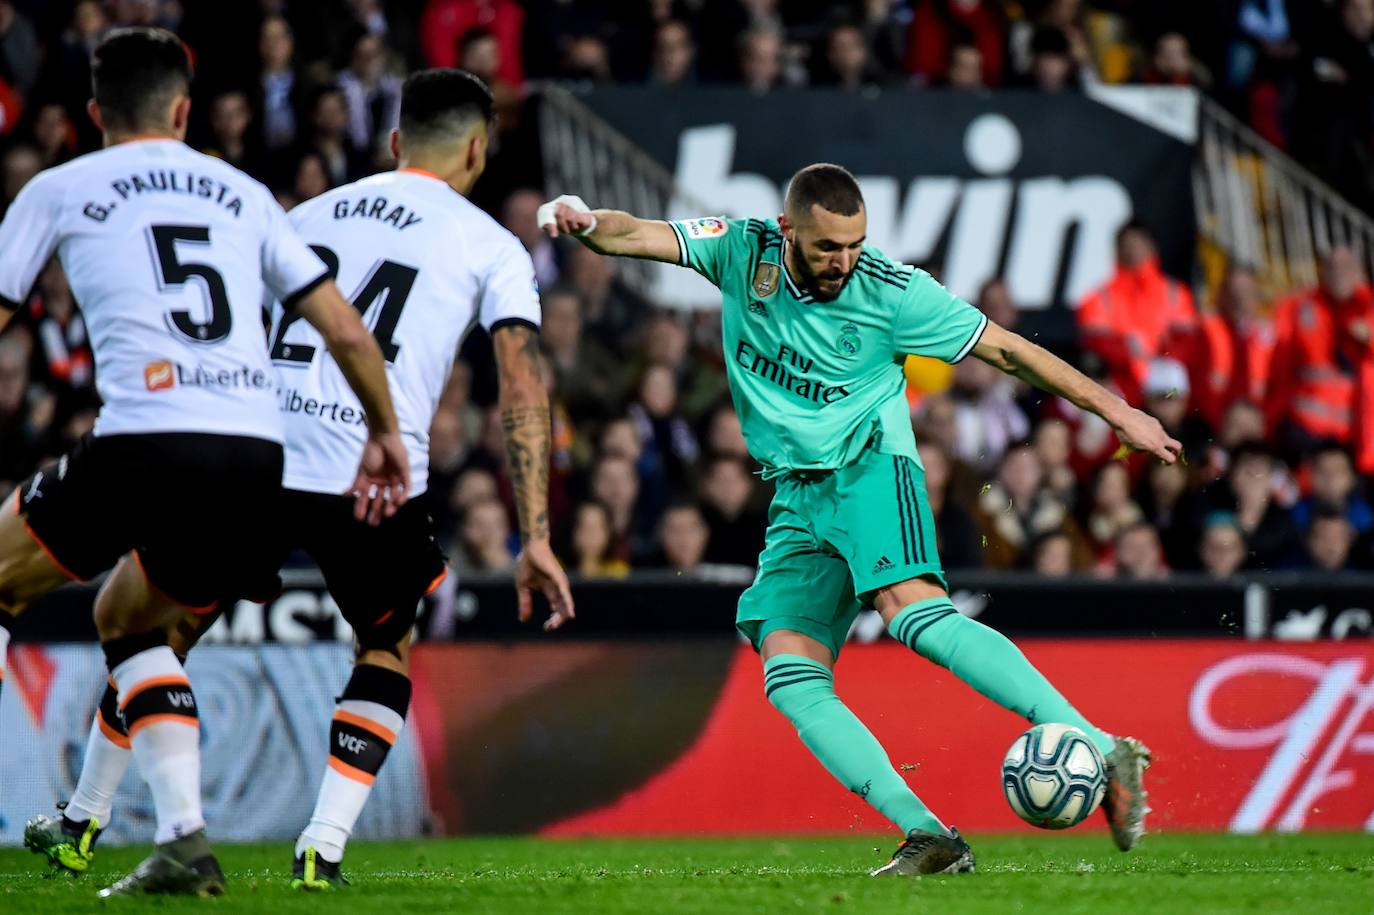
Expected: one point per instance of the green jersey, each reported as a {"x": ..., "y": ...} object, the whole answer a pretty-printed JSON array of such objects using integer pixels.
[{"x": 815, "y": 383}]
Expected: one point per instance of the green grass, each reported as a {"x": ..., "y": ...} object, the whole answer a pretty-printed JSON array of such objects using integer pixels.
[{"x": 1059, "y": 874}]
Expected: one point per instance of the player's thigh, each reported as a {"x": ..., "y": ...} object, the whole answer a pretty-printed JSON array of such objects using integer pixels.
[
  {"x": 210, "y": 532},
  {"x": 27, "y": 571},
  {"x": 128, "y": 603},
  {"x": 782, "y": 641},
  {"x": 377, "y": 575},
  {"x": 798, "y": 589},
  {"x": 883, "y": 526}
]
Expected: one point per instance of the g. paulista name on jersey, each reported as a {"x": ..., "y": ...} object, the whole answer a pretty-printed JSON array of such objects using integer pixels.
[{"x": 166, "y": 181}]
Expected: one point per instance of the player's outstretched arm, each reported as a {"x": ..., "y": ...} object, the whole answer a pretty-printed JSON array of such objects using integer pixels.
[
  {"x": 609, "y": 231},
  {"x": 383, "y": 482},
  {"x": 524, "y": 403},
  {"x": 1035, "y": 365}
]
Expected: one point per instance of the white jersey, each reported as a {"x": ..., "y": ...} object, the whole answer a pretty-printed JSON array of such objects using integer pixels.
[
  {"x": 421, "y": 264},
  {"x": 167, "y": 252}
]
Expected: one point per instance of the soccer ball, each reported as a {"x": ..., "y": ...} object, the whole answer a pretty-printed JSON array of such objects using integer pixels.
[{"x": 1054, "y": 776}]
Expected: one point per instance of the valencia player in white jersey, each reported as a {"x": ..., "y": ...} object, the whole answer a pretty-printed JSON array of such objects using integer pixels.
[
  {"x": 167, "y": 251},
  {"x": 421, "y": 265}
]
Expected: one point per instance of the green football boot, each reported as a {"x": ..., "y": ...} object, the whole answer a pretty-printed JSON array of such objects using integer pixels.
[
  {"x": 68, "y": 845},
  {"x": 314, "y": 874}
]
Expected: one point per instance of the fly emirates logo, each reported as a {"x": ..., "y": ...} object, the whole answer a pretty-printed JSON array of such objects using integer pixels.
[{"x": 165, "y": 374}]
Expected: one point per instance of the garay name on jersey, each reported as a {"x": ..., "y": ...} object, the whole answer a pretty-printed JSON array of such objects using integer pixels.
[
  {"x": 376, "y": 208},
  {"x": 167, "y": 181}
]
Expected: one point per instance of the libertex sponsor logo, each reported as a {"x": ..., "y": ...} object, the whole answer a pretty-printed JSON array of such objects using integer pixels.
[
  {"x": 163, "y": 375},
  {"x": 1316, "y": 725}
]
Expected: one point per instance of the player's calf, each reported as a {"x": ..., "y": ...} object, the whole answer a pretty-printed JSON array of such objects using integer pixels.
[{"x": 366, "y": 723}]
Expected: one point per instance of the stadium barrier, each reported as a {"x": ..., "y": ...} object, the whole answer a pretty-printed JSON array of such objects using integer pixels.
[{"x": 674, "y": 736}]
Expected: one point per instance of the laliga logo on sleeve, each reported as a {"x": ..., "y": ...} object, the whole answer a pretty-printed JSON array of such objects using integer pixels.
[
  {"x": 159, "y": 376},
  {"x": 1318, "y": 749},
  {"x": 709, "y": 227}
]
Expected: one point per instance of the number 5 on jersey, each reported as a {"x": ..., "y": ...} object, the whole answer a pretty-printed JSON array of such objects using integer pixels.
[{"x": 389, "y": 279}]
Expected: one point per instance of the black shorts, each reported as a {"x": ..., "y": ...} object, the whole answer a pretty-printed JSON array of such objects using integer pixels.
[
  {"x": 377, "y": 575},
  {"x": 191, "y": 507}
]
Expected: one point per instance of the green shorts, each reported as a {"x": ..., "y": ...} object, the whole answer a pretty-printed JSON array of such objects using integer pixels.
[{"x": 834, "y": 539}]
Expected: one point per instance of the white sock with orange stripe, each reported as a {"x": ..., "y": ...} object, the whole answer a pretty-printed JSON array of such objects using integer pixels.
[
  {"x": 159, "y": 710},
  {"x": 108, "y": 751},
  {"x": 366, "y": 723},
  {"x": 5, "y": 620}
]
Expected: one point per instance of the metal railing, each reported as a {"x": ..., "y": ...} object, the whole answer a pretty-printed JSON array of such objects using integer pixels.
[
  {"x": 586, "y": 156},
  {"x": 1257, "y": 206}
]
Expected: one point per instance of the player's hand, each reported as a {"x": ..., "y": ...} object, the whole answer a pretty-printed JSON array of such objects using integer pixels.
[
  {"x": 383, "y": 482},
  {"x": 537, "y": 568},
  {"x": 1139, "y": 431},
  {"x": 568, "y": 215}
]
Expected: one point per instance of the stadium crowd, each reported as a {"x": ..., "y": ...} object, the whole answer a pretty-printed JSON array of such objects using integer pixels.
[{"x": 1273, "y": 399}]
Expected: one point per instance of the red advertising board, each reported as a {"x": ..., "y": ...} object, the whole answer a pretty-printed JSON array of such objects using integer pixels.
[{"x": 1247, "y": 736}]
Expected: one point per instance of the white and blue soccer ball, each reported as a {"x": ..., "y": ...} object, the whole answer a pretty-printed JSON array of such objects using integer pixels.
[{"x": 1054, "y": 776}]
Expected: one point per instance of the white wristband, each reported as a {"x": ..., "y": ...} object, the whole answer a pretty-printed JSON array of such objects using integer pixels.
[{"x": 544, "y": 215}]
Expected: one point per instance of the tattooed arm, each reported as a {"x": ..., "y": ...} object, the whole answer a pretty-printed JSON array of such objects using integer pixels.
[{"x": 525, "y": 418}]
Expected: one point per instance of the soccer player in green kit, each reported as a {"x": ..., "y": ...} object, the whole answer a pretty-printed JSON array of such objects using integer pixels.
[{"x": 816, "y": 325}]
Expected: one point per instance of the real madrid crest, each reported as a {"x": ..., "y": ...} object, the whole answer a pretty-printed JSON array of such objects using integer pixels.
[
  {"x": 766, "y": 279},
  {"x": 849, "y": 343}
]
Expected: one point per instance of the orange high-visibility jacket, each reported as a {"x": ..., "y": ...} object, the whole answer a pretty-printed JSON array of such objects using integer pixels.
[{"x": 1232, "y": 364}]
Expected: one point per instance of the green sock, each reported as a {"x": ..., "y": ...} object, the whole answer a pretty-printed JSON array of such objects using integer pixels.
[
  {"x": 988, "y": 661},
  {"x": 804, "y": 691}
]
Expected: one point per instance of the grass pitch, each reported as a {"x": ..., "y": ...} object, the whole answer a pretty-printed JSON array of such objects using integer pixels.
[{"x": 1058, "y": 874}]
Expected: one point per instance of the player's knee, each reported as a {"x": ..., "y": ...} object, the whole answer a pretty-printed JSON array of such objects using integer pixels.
[{"x": 794, "y": 687}]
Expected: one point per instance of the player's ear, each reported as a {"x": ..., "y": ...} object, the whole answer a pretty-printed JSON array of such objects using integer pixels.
[
  {"x": 785, "y": 225},
  {"x": 181, "y": 115},
  {"x": 395, "y": 144},
  {"x": 93, "y": 112}
]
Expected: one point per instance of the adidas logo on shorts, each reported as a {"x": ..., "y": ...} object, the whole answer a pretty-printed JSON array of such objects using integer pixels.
[{"x": 883, "y": 565}]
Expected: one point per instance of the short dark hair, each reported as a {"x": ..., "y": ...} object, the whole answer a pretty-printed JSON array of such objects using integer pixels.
[
  {"x": 831, "y": 187},
  {"x": 135, "y": 74},
  {"x": 441, "y": 103},
  {"x": 1134, "y": 225}
]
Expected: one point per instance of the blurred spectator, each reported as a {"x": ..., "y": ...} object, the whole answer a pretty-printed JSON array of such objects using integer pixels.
[
  {"x": 20, "y": 164},
  {"x": 661, "y": 424},
  {"x": 20, "y": 51},
  {"x": 847, "y": 62},
  {"x": 1248, "y": 492},
  {"x": 277, "y": 49},
  {"x": 1335, "y": 120},
  {"x": 1110, "y": 510},
  {"x": 445, "y": 21},
  {"x": 518, "y": 216},
  {"x": 1243, "y": 422},
  {"x": 480, "y": 54},
  {"x": 1335, "y": 488},
  {"x": 682, "y": 538},
  {"x": 1051, "y": 555},
  {"x": 1321, "y": 382},
  {"x": 484, "y": 539},
  {"x": 1139, "y": 314},
  {"x": 987, "y": 416},
  {"x": 674, "y": 55},
  {"x": 586, "y": 57},
  {"x": 328, "y": 138},
  {"x": 1052, "y": 66},
  {"x": 63, "y": 350},
  {"x": 1168, "y": 398},
  {"x": 1164, "y": 501},
  {"x": 994, "y": 300},
  {"x": 667, "y": 343},
  {"x": 584, "y": 372},
  {"x": 941, "y": 28},
  {"x": 586, "y": 550},
  {"x": 723, "y": 434},
  {"x": 25, "y": 412},
  {"x": 69, "y": 64},
  {"x": 760, "y": 60},
  {"x": 1222, "y": 550},
  {"x": 1053, "y": 447},
  {"x": 615, "y": 485},
  {"x": 1172, "y": 63},
  {"x": 472, "y": 487},
  {"x": 736, "y": 531},
  {"x": 1232, "y": 362},
  {"x": 311, "y": 178},
  {"x": 230, "y": 118},
  {"x": 609, "y": 311},
  {"x": 965, "y": 68},
  {"x": 957, "y": 537},
  {"x": 373, "y": 97},
  {"x": 1330, "y": 538},
  {"x": 1139, "y": 555},
  {"x": 884, "y": 24},
  {"x": 53, "y": 134},
  {"x": 1015, "y": 508}
]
